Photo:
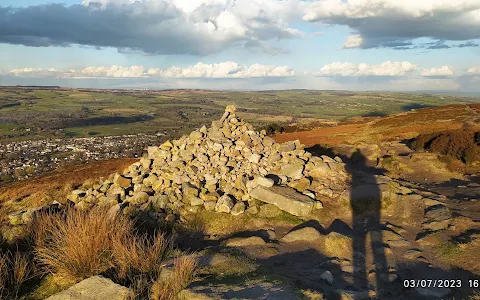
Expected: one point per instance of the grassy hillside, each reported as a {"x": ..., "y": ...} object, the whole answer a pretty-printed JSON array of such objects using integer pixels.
[{"x": 27, "y": 113}]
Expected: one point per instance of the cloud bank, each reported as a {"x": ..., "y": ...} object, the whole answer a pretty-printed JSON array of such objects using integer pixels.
[
  {"x": 388, "y": 69},
  {"x": 395, "y": 24},
  {"x": 444, "y": 71},
  {"x": 227, "y": 69},
  {"x": 203, "y": 27},
  {"x": 198, "y": 27}
]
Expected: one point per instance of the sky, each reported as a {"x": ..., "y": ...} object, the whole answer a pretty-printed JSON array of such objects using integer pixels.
[{"x": 396, "y": 45}]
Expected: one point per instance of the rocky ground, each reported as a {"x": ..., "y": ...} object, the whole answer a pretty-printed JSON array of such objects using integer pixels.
[{"x": 284, "y": 221}]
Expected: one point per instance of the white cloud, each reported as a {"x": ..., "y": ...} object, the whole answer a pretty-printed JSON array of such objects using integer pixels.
[
  {"x": 444, "y": 71},
  {"x": 353, "y": 41},
  {"x": 227, "y": 69},
  {"x": 112, "y": 72},
  {"x": 395, "y": 23},
  {"x": 387, "y": 68},
  {"x": 474, "y": 71},
  {"x": 32, "y": 72}
]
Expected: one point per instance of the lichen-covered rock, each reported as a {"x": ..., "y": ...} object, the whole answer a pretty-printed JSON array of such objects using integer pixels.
[
  {"x": 224, "y": 204},
  {"x": 139, "y": 198},
  {"x": 122, "y": 181},
  {"x": 307, "y": 234},
  {"x": 238, "y": 209},
  {"x": 93, "y": 288},
  {"x": 285, "y": 198}
]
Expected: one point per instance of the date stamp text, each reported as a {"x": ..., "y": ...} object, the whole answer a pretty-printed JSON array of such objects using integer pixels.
[{"x": 441, "y": 283}]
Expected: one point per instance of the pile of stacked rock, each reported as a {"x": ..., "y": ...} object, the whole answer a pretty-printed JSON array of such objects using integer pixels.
[{"x": 227, "y": 168}]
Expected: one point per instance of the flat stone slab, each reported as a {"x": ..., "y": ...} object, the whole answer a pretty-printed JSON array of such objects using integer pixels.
[
  {"x": 254, "y": 289},
  {"x": 93, "y": 288},
  {"x": 285, "y": 198}
]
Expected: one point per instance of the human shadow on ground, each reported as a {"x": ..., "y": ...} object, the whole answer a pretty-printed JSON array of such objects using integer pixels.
[{"x": 365, "y": 203}]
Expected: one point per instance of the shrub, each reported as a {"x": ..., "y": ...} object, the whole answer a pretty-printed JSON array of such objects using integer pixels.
[
  {"x": 461, "y": 144},
  {"x": 183, "y": 274},
  {"x": 273, "y": 128},
  {"x": 3, "y": 274},
  {"x": 140, "y": 255},
  {"x": 79, "y": 244},
  {"x": 15, "y": 269}
]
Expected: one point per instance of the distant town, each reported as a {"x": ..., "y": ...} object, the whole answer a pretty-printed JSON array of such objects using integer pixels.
[{"x": 23, "y": 159}]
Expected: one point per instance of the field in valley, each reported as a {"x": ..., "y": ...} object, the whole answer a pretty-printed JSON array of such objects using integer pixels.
[{"x": 29, "y": 113}]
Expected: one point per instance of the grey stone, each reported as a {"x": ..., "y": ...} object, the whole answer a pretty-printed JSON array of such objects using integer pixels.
[
  {"x": 412, "y": 253},
  {"x": 431, "y": 202},
  {"x": 307, "y": 234},
  {"x": 242, "y": 242},
  {"x": 252, "y": 210},
  {"x": 320, "y": 170},
  {"x": 145, "y": 162},
  {"x": 224, "y": 204},
  {"x": 399, "y": 243},
  {"x": 76, "y": 195},
  {"x": 196, "y": 201},
  {"x": 230, "y": 109},
  {"x": 196, "y": 135},
  {"x": 93, "y": 288},
  {"x": 287, "y": 147},
  {"x": 238, "y": 209},
  {"x": 159, "y": 202},
  {"x": 327, "y": 276},
  {"x": 254, "y": 158},
  {"x": 210, "y": 205},
  {"x": 294, "y": 171},
  {"x": 139, "y": 198},
  {"x": 263, "y": 181},
  {"x": 287, "y": 199}
]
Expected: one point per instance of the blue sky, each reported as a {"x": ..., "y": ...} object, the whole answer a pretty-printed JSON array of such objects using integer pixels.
[{"x": 252, "y": 44}]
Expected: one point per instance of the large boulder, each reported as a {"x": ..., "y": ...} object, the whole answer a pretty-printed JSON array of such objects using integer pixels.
[
  {"x": 307, "y": 234},
  {"x": 287, "y": 199},
  {"x": 93, "y": 288}
]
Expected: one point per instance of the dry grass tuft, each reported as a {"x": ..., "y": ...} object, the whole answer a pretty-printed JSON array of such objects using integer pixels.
[
  {"x": 140, "y": 255},
  {"x": 15, "y": 269},
  {"x": 79, "y": 244},
  {"x": 183, "y": 274},
  {"x": 21, "y": 270},
  {"x": 3, "y": 274}
]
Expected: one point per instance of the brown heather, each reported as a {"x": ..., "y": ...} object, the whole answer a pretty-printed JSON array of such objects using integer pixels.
[{"x": 79, "y": 244}]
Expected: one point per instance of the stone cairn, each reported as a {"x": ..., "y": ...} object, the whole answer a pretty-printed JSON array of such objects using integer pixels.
[{"x": 227, "y": 168}]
